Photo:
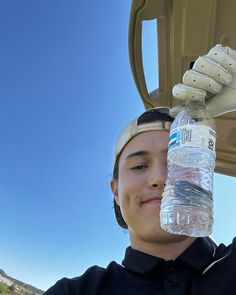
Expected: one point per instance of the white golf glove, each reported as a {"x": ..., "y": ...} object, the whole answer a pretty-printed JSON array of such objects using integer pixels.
[{"x": 213, "y": 77}]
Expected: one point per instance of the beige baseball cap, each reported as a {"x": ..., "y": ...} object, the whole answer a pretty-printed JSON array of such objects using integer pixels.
[{"x": 153, "y": 119}]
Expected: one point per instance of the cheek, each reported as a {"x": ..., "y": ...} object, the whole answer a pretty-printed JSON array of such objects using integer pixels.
[
  {"x": 130, "y": 191},
  {"x": 127, "y": 185},
  {"x": 129, "y": 205},
  {"x": 124, "y": 193}
]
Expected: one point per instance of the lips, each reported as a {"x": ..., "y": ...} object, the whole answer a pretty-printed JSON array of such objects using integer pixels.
[{"x": 154, "y": 200}]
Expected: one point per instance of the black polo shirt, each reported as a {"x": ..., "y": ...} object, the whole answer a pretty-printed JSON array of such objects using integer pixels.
[{"x": 203, "y": 269}]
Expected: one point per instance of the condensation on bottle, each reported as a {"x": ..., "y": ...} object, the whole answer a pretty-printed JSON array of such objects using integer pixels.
[{"x": 187, "y": 204}]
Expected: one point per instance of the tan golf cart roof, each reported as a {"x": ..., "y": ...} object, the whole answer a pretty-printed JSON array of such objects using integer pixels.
[{"x": 186, "y": 29}]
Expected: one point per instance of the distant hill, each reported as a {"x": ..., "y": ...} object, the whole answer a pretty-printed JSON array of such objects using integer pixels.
[{"x": 10, "y": 286}]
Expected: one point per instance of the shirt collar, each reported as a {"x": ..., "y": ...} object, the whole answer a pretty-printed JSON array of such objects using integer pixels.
[
  {"x": 197, "y": 256},
  {"x": 141, "y": 262}
]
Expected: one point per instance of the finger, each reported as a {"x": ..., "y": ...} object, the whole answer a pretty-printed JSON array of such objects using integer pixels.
[
  {"x": 222, "y": 103},
  {"x": 173, "y": 112},
  {"x": 207, "y": 66},
  {"x": 183, "y": 92},
  {"x": 198, "y": 80},
  {"x": 224, "y": 56}
]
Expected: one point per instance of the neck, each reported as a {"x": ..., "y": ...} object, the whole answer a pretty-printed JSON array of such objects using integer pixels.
[{"x": 168, "y": 250}]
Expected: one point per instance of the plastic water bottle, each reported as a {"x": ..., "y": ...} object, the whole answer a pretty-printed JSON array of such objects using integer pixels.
[{"x": 187, "y": 204}]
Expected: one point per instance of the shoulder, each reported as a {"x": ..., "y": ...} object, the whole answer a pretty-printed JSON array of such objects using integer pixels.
[
  {"x": 87, "y": 283},
  {"x": 225, "y": 255}
]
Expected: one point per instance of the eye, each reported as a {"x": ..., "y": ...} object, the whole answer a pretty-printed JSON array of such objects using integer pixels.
[{"x": 139, "y": 167}]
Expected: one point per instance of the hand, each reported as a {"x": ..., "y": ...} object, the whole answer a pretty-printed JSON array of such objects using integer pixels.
[{"x": 213, "y": 77}]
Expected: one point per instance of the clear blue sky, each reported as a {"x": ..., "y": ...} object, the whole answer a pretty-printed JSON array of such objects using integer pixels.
[{"x": 66, "y": 90}]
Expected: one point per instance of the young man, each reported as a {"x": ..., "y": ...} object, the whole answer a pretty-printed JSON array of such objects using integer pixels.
[{"x": 158, "y": 262}]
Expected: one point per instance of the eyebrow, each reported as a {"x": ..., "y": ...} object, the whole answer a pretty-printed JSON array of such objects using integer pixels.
[
  {"x": 143, "y": 153},
  {"x": 136, "y": 154}
]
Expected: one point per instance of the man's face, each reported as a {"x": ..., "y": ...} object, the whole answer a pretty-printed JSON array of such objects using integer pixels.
[{"x": 138, "y": 191}]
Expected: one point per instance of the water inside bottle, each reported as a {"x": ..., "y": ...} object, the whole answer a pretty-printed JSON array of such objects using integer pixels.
[{"x": 189, "y": 213}]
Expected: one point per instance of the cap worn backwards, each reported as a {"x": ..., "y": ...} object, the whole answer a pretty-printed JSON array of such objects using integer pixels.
[{"x": 152, "y": 119}]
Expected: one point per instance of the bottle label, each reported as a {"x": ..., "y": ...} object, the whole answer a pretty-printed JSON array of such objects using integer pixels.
[{"x": 194, "y": 136}]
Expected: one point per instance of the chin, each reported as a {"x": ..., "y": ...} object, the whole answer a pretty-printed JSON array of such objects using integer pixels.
[{"x": 158, "y": 235}]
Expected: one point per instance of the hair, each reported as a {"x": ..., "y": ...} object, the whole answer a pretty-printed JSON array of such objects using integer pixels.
[
  {"x": 147, "y": 117},
  {"x": 119, "y": 217}
]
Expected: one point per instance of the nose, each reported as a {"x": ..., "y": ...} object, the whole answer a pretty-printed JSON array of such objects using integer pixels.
[{"x": 157, "y": 177}]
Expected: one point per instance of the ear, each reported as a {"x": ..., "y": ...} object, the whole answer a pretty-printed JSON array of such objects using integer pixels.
[{"x": 114, "y": 188}]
